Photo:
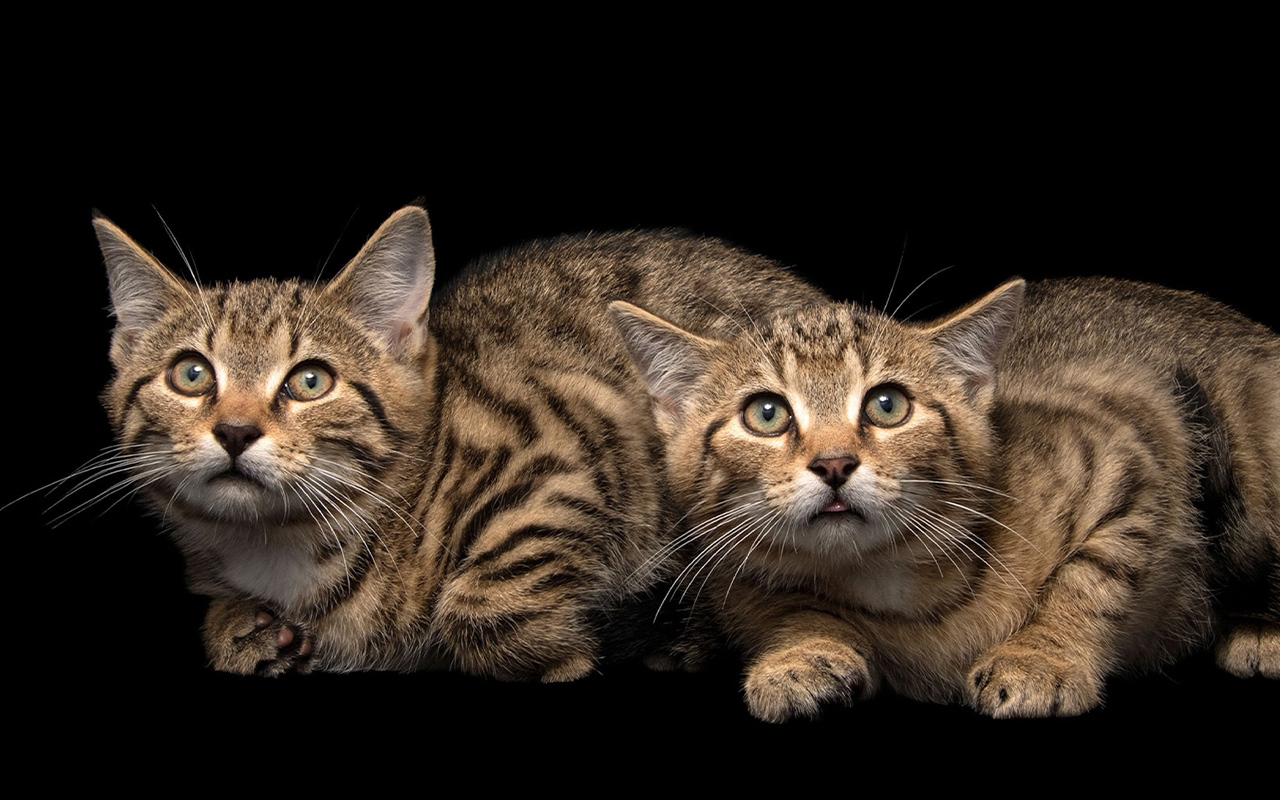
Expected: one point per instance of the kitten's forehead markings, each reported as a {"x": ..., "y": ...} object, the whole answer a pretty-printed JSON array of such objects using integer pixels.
[
  {"x": 854, "y": 370},
  {"x": 791, "y": 380},
  {"x": 260, "y": 364}
]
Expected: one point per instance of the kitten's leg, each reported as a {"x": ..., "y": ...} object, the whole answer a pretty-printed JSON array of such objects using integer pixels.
[
  {"x": 800, "y": 658},
  {"x": 1057, "y": 663},
  {"x": 1251, "y": 644},
  {"x": 248, "y": 639},
  {"x": 1111, "y": 551},
  {"x": 528, "y": 620}
]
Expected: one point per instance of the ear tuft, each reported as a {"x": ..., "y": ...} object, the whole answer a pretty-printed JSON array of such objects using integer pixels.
[
  {"x": 670, "y": 360},
  {"x": 142, "y": 289},
  {"x": 973, "y": 337},
  {"x": 389, "y": 282}
]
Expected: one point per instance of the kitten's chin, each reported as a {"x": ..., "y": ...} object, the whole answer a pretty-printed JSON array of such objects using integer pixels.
[
  {"x": 844, "y": 530},
  {"x": 235, "y": 497}
]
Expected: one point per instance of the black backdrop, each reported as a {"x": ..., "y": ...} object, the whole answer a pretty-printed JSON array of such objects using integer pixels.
[{"x": 102, "y": 630}]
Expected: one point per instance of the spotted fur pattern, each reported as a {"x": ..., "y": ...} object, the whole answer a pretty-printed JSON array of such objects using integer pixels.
[
  {"x": 1063, "y": 481},
  {"x": 363, "y": 476}
]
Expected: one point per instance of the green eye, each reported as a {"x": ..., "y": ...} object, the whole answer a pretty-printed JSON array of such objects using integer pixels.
[
  {"x": 191, "y": 375},
  {"x": 886, "y": 407},
  {"x": 767, "y": 415},
  {"x": 309, "y": 382}
]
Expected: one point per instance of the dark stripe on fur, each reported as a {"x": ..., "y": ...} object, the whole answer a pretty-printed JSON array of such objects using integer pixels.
[
  {"x": 356, "y": 562},
  {"x": 134, "y": 389},
  {"x": 596, "y": 443},
  {"x": 563, "y": 575},
  {"x": 1218, "y": 497},
  {"x": 953, "y": 447},
  {"x": 560, "y": 535},
  {"x": 1123, "y": 495},
  {"x": 1218, "y": 501},
  {"x": 546, "y": 465},
  {"x": 584, "y": 507},
  {"x": 375, "y": 464},
  {"x": 518, "y": 415},
  {"x": 441, "y": 460},
  {"x": 375, "y": 405},
  {"x": 711, "y": 430},
  {"x": 464, "y": 527},
  {"x": 1114, "y": 570}
]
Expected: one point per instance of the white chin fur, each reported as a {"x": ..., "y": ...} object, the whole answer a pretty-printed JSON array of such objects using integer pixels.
[
  {"x": 843, "y": 533},
  {"x": 235, "y": 499}
]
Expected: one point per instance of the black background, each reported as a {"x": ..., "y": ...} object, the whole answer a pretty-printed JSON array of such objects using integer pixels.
[{"x": 865, "y": 186}]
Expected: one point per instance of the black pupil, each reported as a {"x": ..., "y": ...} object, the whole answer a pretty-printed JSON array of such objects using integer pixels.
[
  {"x": 310, "y": 380},
  {"x": 193, "y": 373},
  {"x": 886, "y": 402},
  {"x": 767, "y": 411}
]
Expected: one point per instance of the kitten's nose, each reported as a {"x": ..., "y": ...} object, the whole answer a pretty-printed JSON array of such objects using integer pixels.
[
  {"x": 235, "y": 438},
  {"x": 834, "y": 471}
]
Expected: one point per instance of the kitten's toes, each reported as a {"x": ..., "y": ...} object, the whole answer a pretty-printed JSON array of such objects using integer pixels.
[
  {"x": 256, "y": 642},
  {"x": 570, "y": 669},
  {"x": 798, "y": 681},
  {"x": 1250, "y": 647},
  {"x": 1024, "y": 682}
]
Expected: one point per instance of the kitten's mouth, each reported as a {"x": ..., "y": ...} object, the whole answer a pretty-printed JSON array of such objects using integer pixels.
[
  {"x": 836, "y": 507},
  {"x": 234, "y": 475}
]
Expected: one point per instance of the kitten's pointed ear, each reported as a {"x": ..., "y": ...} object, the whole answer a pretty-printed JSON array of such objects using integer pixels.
[
  {"x": 389, "y": 282},
  {"x": 142, "y": 289},
  {"x": 973, "y": 337},
  {"x": 670, "y": 360}
]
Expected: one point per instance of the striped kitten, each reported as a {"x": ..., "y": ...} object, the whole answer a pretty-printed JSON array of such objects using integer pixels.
[
  {"x": 362, "y": 477},
  {"x": 1063, "y": 481}
]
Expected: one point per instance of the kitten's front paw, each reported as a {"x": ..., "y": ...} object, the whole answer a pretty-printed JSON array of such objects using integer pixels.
[
  {"x": 250, "y": 640},
  {"x": 1250, "y": 647},
  {"x": 1020, "y": 681},
  {"x": 797, "y": 681}
]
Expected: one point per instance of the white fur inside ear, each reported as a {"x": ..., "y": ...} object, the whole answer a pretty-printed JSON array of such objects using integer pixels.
[
  {"x": 670, "y": 360},
  {"x": 136, "y": 279},
  {"x": 389, "y": 282},
  {"x": 973, "y": 337},
  {"x": 142, "y": 289}
]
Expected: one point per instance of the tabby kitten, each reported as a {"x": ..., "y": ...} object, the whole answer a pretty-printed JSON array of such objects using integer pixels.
[
  {"x": 1063, "y": 481},
  {"x": 362, "y": 477}
]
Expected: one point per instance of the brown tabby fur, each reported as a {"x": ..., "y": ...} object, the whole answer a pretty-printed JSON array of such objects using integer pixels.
[
  {"x": 474, "y": 491},
  {"x": 1085, "y": 483}
]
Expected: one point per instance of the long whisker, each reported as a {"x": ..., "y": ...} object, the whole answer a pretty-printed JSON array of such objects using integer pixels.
[
  {"x": 918, "y": 287},
  {"x": 191, "y": 268}
]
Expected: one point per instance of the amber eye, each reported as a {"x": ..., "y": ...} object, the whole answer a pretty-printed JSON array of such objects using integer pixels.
[
  {"x": 886, "y": 407},
  {"x": 191, "y": 375},
  {"x": 767, "y": 415},
  {"x": 309, "y": 382}
]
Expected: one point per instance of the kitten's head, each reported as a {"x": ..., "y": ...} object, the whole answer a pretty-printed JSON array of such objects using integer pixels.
[
  {"x": 834, "y": 431},
  {"x": 264, "y": 403}
]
